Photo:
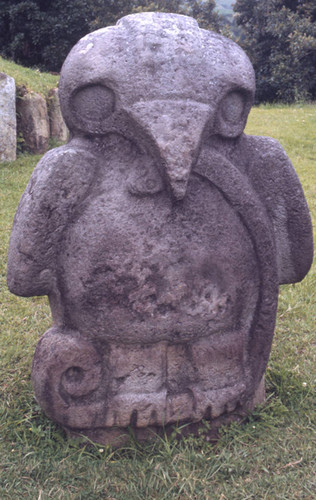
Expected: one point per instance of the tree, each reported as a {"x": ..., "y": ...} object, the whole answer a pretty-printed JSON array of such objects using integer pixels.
[
  {"x": 202, "y": 10},
  {"x": 41, "y": 32},
  {"x": 280, "y": 39}
]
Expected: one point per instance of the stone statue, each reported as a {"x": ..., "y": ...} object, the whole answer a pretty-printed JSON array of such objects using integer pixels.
[{"x": 160, "y": 234}]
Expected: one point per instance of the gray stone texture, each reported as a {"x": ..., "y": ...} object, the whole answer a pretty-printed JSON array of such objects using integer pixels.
[
  {"x": 33, "y": 122},
  {"x": 7, "y": 118},
  {"x": 160, "y": 233},
  {"x": 58, "y": 129}
]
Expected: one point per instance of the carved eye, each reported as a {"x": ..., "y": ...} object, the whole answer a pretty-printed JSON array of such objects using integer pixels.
[
  {"x": 145, "y": 183},
  {"x": 232, "y": 113},
  {"x": 93, "y": 103},
  {"x": 233, "y": 107}
]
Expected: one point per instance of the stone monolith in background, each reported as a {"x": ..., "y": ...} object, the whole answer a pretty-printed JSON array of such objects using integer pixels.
[
  {"x": 33, "y": 122},
  {"x": 58, "y": 129},
  {"x": 7, "y": 118},
  {"x": 160, "y": 234}
]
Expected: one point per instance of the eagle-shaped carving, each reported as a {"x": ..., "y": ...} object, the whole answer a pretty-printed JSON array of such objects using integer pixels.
[{"x": 160, "y": 233}]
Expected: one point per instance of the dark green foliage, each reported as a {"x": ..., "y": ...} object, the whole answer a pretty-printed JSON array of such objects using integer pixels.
[
  {"x": 280, "y": 39},
  {"x": 204, "y": 13},
  {"x": 41, "y": 32},
  {"x": 107, "y": 12}
]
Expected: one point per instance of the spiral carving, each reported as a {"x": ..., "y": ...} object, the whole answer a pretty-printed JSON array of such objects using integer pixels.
[{"x": 66, "y": 375}]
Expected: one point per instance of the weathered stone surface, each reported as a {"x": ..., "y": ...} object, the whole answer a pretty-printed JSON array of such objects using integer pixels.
[
  {"x": 160, "y": 233},
  {"x": 58, "y": 129},
  {"x": 7, "y": 118},
  {"x": 33, "y": 122}
]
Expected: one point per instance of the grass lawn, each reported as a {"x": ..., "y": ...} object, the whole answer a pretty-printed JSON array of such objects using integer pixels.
[
  {"x": 271, "y": 456},
  {"x": 30, "y": 78}
]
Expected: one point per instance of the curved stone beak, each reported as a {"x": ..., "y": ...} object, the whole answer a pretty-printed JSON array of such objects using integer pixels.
[{"x": 176, "y": 126}]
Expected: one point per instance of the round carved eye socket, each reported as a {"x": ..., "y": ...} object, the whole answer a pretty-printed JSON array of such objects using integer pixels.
[
  {"x": 93, "y": 103},
  {"x": 233, "y": 107}
]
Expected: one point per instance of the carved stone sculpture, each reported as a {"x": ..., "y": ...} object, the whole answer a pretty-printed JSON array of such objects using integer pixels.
[{"x": 160, "y": 234}]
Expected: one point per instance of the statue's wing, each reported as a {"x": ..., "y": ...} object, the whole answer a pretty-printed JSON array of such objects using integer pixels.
[
  {"x": 275, "y": 180},
  {"x": 60, "y": 182}
]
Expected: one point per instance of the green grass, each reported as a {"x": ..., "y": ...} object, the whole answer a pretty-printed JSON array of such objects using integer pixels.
[
  {"x": 271, "y": 456},
  {"x": 32, "y": 79}
]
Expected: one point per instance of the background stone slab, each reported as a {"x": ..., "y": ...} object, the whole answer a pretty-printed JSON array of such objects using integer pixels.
[{"x": 7, "y": 118}]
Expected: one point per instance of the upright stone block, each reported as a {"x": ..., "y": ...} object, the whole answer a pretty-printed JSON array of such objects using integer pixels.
[
  {"x": 58, "y": 129},
  {"x": 160, "y": 233},
  {"x": 33, "y": 122},
  {"x": 7, "y": 118}
]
